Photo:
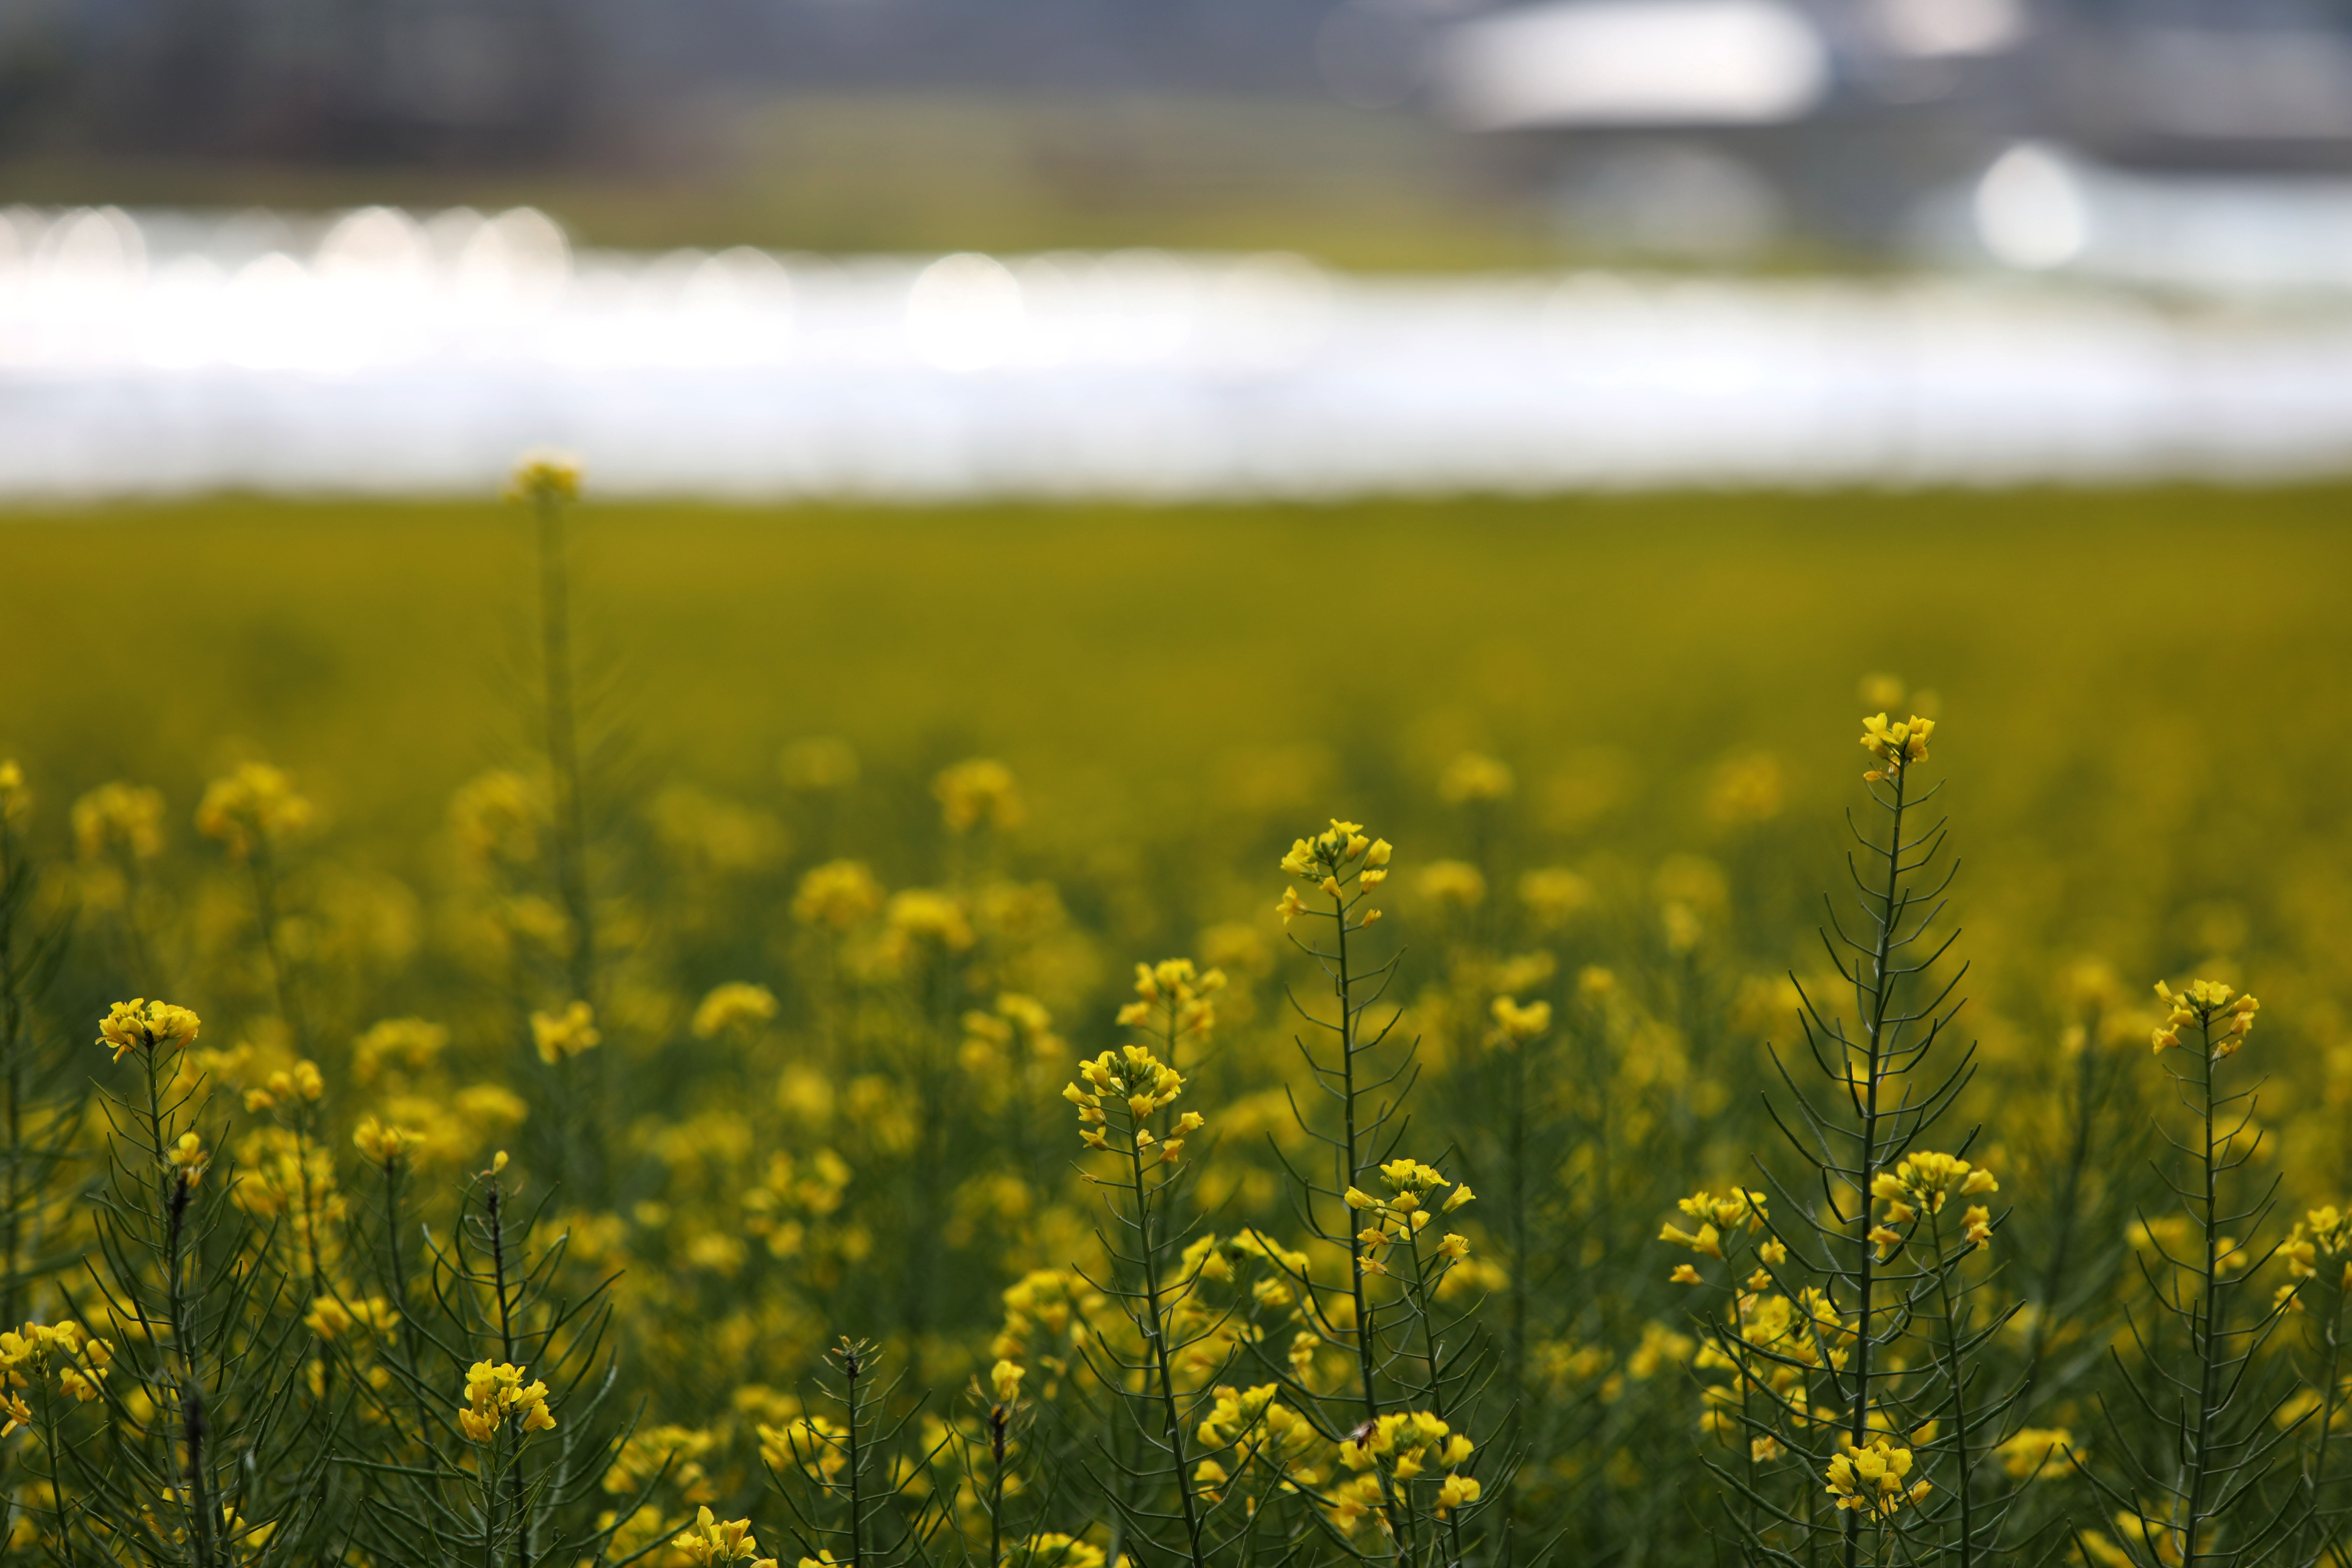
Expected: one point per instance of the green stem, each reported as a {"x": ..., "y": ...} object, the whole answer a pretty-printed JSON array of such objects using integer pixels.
[
  {"x": 1955, "y": 1374},
  {"x": 1875, "y": 1027},
  {"x": 1158, "y": 1333},
  {"x": 563, "y": 744}
]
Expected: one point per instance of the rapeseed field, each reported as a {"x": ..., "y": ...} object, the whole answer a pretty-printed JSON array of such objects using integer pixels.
[{"x": 1645, "y": 1031}]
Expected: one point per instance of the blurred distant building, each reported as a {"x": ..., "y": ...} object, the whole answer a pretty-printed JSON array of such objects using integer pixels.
[
  {"x": 2146, "y": 138},
  {"x": 2194, "y": 138}
]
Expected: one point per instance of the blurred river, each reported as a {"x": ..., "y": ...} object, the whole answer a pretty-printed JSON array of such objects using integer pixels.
[{"x": 390, "y": 352}]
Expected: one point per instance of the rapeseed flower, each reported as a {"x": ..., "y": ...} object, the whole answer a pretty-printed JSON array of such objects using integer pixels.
[
  {"x": 978, "y": 794},
  {"x": 1869, "y": 1480},
  {"x": 710, "y": 1542},
  {"x": 731, "y": 1005},
  {"x": 1894, "y": 745},
  {"x": 561, "y": 1037},
  {"x": 147, "y": 1025},
  {"x": 495, "y": 1393},
  {"x": 543, "y": 475},
  {"x": 839, "y": 894},
  {"x": 2211, "y": 1006},
  {"x": 255, "y": 806}
]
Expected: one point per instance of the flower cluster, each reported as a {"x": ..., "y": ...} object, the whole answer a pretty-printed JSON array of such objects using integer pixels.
[
  {"x": 1515, "y": 1025},
  {"x": 2324, "y": 1233},
  {"x": 2029, "y": 1451},
  {"x": 2224, "y": 1016},
  {"x": 1406, "y": 1211},
  {"x": 333, "y": 1317},
  {"x": 119, "y": 818},
  {"x": 189, "y": 1159},
  {"x": 838, "y": 894},
  {"x": 1919, "y": 1184},
  {"x": 1718, "y": 1215},
  {"x": 1330, "y": 861},
  {"x": 707, "y": 1541},
  {"x": 1173, "y": 1000},
  {"x": 1263, "y": 1433},
  {"x": 384, "y": 1144},
  {"x": 732, "y": 1006},
  {"x": 978, "y": 794},
  {"x": 495, "y": 1393},
  {"x": 544, "y": 475},
  {"x": 300, "y": 1084},
  {"x": 561, "y": 1037},
  {"x": 147, "y": 1025},
  {"x": 1894, "y": 745},
  {"x": 1399, "y": 1447},
  {"x": 1869, "y": 1480},
  {"x": 253, "y": 807},
  {"x": 1144, "y": 1084},
  {"x": 80, "y": 1360},
  {"x": 808, "y": 1443}
]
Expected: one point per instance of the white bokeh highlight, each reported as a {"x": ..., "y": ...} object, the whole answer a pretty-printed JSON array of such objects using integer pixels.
[{"x": 381, "y": 351}]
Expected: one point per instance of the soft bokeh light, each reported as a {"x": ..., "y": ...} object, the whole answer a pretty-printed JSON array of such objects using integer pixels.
[{"x": 386, "y": 351}]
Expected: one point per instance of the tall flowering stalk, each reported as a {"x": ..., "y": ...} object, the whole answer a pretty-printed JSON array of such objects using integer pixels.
[
  {"x": 492, "y": 1448},
  {"x": 1125, "y": 1101},
  {"x": 2196, "y": 1451},
  {"x": 1840, "y": 1307},
  {"x": 1399, "y": 1489},
  {"x": 253, "y": 812},
  {"x": 547, "y": 482},
  {"x": 210, "y": 1454},
  {"x": 853, "y": 1503},
  {"x": 1342, "y": 869}
]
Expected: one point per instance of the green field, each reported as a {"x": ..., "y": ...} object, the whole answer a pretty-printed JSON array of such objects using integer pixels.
[{"x": 2142, "y": 711}]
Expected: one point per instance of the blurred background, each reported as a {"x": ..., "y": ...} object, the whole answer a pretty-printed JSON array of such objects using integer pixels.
[{"x": 1195, "y": 248}]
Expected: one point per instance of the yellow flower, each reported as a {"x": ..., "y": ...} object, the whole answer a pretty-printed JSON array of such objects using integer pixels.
[
  {"x": 710, "y": 1541},
  {"x": 1472, "y": 777},
  {"x": 1515, "y": 1023},
  {"x": 977, "y": 794},
  {"x": 839, "y": 894},
  {"x": 118, "y": 818},
  {"x": 1006, "y": 1376},
  {"x": 1871, "y": 1479},
  {"x": 254, "y": 807},
  {"x": 1053, "y": 1550},
  {"x": 1894, "y": 744},
  {"x": 1453, "y": 883},
  {"x": 1684, "y": 1274},
  {"x": 2222, "y": 1017},
  {"x": 2033, "y": 1450},
  {"x": 544, "y": 475},
  {"x": 189, "y": 1159},
  {"x": 383, "y": 1144},
  {"x": 149, "y": 1025},
  {"x": 495, "y": 1393},
  {"x": 331, "y": 1318},
  {"x": 731, "y": 1003},
  {"x": 927, "y": 915},
  {"x": 1454, "y": 1491},
  {"x": 563, "y": 1036}
]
